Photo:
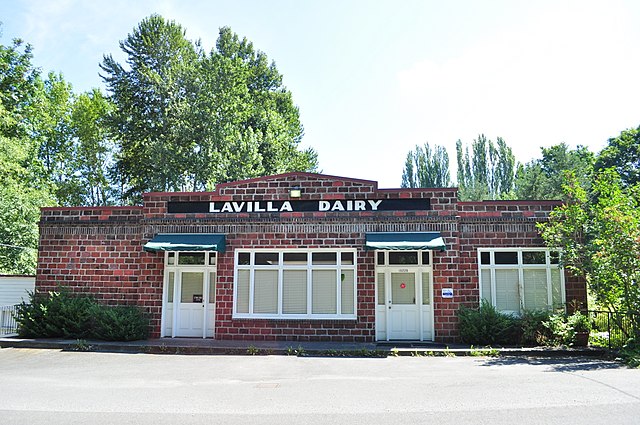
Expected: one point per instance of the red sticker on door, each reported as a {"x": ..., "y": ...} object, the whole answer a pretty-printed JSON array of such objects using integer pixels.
[{"x": 402, "y": 285}]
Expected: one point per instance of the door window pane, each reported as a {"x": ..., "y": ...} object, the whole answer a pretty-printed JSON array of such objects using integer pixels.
[
  {"x": 242, "y": 291},
  {"x": 346, "y": 289},
  {"x": 191, "y": 258},
  {"x": 324, "y": 292},
  {"x": 171, "y": 287},
  {"x": 403, "y": 257},
  {"x": 171, "y": 258},
  {"x": 426, "y": 285},
  {"x": 294, "y": 292},
  {"x": 381, "y": 298},
  {"x": 265, "y": 291},
  {"x": 212, "y": 258},
  {"x": 380, "y": 258},
  {"x": 426, "y": 258},
  {"x": 212, "y": 288},
  {"x": 403, "y": 288},
  {"x": 192, "y": 287}
]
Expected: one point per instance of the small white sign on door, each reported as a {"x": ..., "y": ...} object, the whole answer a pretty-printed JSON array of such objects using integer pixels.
[{"x": 447, "y": 292}]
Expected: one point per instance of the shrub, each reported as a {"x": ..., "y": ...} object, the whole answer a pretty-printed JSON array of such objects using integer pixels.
[
  {"x": 120, "y": 323},
  {"x": 533, "y": 331},
  {"x": 62, "y": 314},
  {"x": 562, "y": 328},
  {"x": 55, "y": 314},
  {"x": 487, "y": 326}
]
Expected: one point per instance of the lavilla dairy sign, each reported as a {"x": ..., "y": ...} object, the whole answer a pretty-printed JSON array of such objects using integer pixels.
[{"x": 341, "y": 205}]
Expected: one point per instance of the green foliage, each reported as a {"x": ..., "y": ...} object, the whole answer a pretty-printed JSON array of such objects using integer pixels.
[
  {"x": 600, "y": 238},
  {"x": 562, "y": 328},
  {"x": 207, "y": 118},
  {"x": 487, "y": 326},
  {"x": 119, "y": 323},
  {"x": 623, "y": 154},
  {"x": 61, "y": 314},
  {"x": 544, "y": 178},
  {"x": 55, "y": 314},
  {"x": 425, "y": 167},
  {"x": 630, "y": 353},
  {"x": 253, "y": 350},
  {"x": 488, "y": 173},
  {"x": 23, "y": 187},
  {"x": 533, "y": 331}
]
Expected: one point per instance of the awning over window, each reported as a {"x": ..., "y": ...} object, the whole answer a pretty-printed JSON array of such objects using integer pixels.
[
  {"x": 405, "y": 241},
  {"x": 186, "y": 242}
]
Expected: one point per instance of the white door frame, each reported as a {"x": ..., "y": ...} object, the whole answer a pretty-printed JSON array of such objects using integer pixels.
[
  {"x": 418, "y": 270},
  {"x": 207, "y": 286}
]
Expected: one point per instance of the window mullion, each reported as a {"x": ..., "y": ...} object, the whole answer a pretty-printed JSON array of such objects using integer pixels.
[
  {"x": 339, "y": 290},
  {"x": 280, "y": 283},
  {"x": 252, "y": 273}
]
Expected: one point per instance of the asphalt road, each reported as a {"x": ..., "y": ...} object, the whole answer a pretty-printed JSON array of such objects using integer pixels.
[{"x": 53, "y": 387}]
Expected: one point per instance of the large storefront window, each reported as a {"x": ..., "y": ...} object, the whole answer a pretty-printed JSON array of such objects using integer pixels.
[
  {"x": 295, "y": 284},
  {"x": 514, "y": 280}
]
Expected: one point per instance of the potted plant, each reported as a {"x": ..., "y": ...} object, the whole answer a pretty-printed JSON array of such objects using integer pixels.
[{"x": 581, "y": 326}]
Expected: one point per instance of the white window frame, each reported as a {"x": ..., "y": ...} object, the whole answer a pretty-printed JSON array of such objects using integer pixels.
[
  {"x": 520, "y": 267},
  {"x": 309, "y": 267}
]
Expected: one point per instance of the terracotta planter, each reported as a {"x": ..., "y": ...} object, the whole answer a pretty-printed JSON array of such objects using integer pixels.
[{"x": 581, "y": 339}]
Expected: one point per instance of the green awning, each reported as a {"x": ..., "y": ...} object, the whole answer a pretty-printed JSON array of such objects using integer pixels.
[
  {"x": 186, "y": 242},
  {"x": 405, "y": 241}
]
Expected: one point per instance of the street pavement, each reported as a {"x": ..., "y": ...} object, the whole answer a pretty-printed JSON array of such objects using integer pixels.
[{"x": 59, "y": 387}]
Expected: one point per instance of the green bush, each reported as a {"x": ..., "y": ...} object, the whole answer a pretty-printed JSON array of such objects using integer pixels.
[
  {"x": 62, "y": 314},
  {"x": 120, "y": 323},
  {"x": 488, "y": 326},
  {"x": 55, "y": 314},
  {"x": 630, "y": 353},
  {"x": 562, "y": 328},
  {"x": 533, "y": 331}
]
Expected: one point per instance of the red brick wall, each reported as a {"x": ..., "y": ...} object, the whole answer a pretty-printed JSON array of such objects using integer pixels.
[{"x": 99, "y": 250}]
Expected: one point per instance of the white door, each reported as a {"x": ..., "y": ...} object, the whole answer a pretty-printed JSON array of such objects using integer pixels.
[
  {"x": 403, "y": 306},
  {"x": 191, "y": 299}
]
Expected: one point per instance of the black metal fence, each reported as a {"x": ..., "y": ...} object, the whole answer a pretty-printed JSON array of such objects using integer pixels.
[
  {"x": 611, "y": 329},
  {"x": 8, "y": 324}
]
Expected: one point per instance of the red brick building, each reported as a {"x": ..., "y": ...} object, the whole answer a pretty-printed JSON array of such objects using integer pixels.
[{"x": 303, "y": 256}]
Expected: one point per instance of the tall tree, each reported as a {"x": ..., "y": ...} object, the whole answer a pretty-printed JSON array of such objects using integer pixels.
[
  {"x": 186, "y": 120},
  {"x": 544, "y": 178},
  {"x": 51, "y": 128},
  {"x": 488, "y": 173},
  {"x": 426, "y": 167},
  {"x": 150, "y": 120},
  {"x": 599, "y": 233},
  {"x": 623, "y": 154},
  {"x": 93, "y": 150},
  {"x": 23, "y": 186}
]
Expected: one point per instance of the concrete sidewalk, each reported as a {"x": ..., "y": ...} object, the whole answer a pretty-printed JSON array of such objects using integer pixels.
[{"x": 330, "y": 349}]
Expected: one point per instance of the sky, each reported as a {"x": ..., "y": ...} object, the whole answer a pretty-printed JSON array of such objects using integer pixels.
[{"x": 373, "y": 79}]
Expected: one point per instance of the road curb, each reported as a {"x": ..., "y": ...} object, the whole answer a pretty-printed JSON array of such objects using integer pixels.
[{"x": 297, "y": 349}]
